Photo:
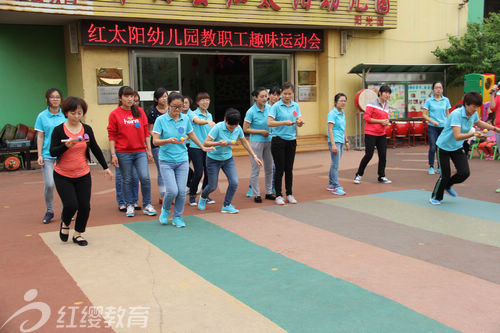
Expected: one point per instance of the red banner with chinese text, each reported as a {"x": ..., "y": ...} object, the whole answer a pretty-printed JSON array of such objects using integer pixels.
[{"x": 125, "y": 34}]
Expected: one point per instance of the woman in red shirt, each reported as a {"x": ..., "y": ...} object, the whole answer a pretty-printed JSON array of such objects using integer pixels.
[
  {"x": 70, "y": 145},
  {"x": 376, "y": 119},
  {"x": 130, "y": 148}
]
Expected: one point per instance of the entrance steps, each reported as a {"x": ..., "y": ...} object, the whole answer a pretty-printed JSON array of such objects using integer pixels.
[{"x": 304, "y": 144}]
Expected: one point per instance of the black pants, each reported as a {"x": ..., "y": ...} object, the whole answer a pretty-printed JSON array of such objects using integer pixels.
[
  {"x": 283, "y": 155},
  {"x": 459, "y": 159},
  {"x": 199, "y": 159},
  {"x": 75, "y": 196},
  {"x": 372, "y": 141}
]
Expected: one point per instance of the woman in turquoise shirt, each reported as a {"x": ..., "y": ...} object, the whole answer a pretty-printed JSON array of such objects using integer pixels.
[
  {"x": 202, "y": 123},
  {"x": 450, "y": 145},
  {"x": 223, "y": 136},
  {"x": 284, "y": 117},
  {"x": 171, "y": 132},
  {"x": 436, "y": 109},
  {"x": 49, "y": 118},
  {"x": 255, "y": 124},
  {"x": 336, "y": 141}
]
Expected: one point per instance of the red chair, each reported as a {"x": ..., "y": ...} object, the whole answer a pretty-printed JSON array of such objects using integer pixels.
[{"x": 402, "y": 130}]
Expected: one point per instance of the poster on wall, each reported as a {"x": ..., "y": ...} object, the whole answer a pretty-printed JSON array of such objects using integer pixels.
[
  {"x": 397, "y": 102},
  {"x": 417, "y": 94}
]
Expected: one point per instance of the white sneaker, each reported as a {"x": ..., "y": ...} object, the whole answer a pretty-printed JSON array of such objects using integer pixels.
[
  {"x": 384, "y": 180},
  {"x": 357, "y": 179},
  {"x": 149, "y": 210},
  {"x": 291, "y": 199},
  {"x": 130, "y": 211},
  {"x": 279, "y": 200}
]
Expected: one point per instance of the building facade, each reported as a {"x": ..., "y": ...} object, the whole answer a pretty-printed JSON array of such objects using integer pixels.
[{"x": 225, "y": 47}]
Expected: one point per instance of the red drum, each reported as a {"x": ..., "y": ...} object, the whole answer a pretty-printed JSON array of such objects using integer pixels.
[
  {"x": 388, "y": 131},
  {"x": 363, "y": 97},
  {"x": 402, "y": 128},
  {"x": 8, "y": 132},
  {"x": 31, "y": 134},
  {"x": 21, "y": 132},
  {"x": 12, "y": 163},
  {"x": 417, "y": 128}
]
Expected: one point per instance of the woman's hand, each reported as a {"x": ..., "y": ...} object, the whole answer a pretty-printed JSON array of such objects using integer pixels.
[
  {"x": 108, "y": 173},
  {"x": 435, "y": 123},
  {"x": 173, "y": 140},
  {"x": 114, "y": 161},
  {"x": 223, "y": 143},
  {"x": 207, "y": 149},
  {"x": 211, "y": 123},
  {"x": 347, "y": 146},
  {"x": 264, "y": 133},
  {"x": 385, "y": 122},
  {"x": 150, "y": 155},
  {"x": 256, "y": 159},
  {"x": 69, "y": 144},
  {"x": 40, "y": 160},
  {"x": 288, "y": 123},
  {"x": 334, "y": 149}
]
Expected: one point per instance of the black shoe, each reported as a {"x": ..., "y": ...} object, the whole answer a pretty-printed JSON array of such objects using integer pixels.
[
  {"x": 137, "y": 207},
  {"x": 122, "y": 208},
  {"x": 80, "y": 241},
  {"x": 270, "y": 196},
  {"x": 257, "y": 199},
  {"x": 63, "y": 237}
]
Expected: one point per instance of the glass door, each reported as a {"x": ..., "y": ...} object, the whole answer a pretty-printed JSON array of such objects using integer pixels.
[
  {"x": 269, "y": 70},
  {"x": 151, "y": 70}
]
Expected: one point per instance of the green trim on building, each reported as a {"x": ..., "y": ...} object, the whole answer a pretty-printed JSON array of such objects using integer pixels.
[
  {"x": 31, "y": 61},
  {"x": 476, "y": 11}
]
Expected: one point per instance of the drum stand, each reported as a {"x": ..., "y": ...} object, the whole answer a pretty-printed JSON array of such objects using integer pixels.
[{"x": 359, "y": 143}]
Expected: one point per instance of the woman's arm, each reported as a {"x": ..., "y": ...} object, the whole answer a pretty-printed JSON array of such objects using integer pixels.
[
  {"x": 94, "y": 147},
  {"x": 197, "y": 141},
  {"x": 425, "y": 115},
  {"x": 275, "y": 123},
  {"x": 332, "y": 140},
  {"x": 248, "y": 130},
  {"x": 485, "y": 125},
  {"x": 57, "y": 148},
  {"x": 199, "y": 121},
  {"x": 245, "y": 144},
  {"x": 39, "y": 147}
]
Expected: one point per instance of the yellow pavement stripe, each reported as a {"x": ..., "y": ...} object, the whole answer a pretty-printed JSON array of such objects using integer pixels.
[{"x": 120, "y": 268}]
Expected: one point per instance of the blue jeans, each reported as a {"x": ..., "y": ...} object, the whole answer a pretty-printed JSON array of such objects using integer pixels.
[
  {"x": 119, "y": 187},
  {"x": 433, "y": 134},
  {"x": 175, "y": 175},
  {"x": 229, "y": 168},
  {"x": 139, "y": 161},
  {"x": 333, "y": 177},
  {"x": 48, "y": 181},
  {"x": 161, "y": 183}
]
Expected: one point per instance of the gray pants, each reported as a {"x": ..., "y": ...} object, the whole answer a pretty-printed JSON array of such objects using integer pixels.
[
  {"x": 48, "y": 180},
  {"x": 263, "y": 152}
]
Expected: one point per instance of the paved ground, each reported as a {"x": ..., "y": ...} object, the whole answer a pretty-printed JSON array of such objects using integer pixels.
[{"x": 380, "y": 259}]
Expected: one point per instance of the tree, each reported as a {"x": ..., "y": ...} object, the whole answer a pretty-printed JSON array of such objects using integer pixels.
[{"x": 478, "y": 51}]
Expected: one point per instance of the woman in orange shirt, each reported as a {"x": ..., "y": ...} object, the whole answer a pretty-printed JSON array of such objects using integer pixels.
[{"x": 70, "y": 145}]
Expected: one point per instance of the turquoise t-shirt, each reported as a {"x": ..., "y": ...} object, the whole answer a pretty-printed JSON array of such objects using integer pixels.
[
  {"x": 201, "y": 131},
  {"x": 45, "y": 122},
  {"x": 279, "y": 111},
  {"x": 258, "y": 120},
  {"x": 437, "y": 109},
  {"x": 167, "y": 127},
  {"x": 220, "y": 132},
  {"x": 458, "y": 117},
  {"x": 338, "y": 119}
]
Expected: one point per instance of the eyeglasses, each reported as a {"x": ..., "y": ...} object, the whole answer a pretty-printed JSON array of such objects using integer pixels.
[
  {"x": 176, "y": 107},
  {"x": 54, "y": 97}
]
